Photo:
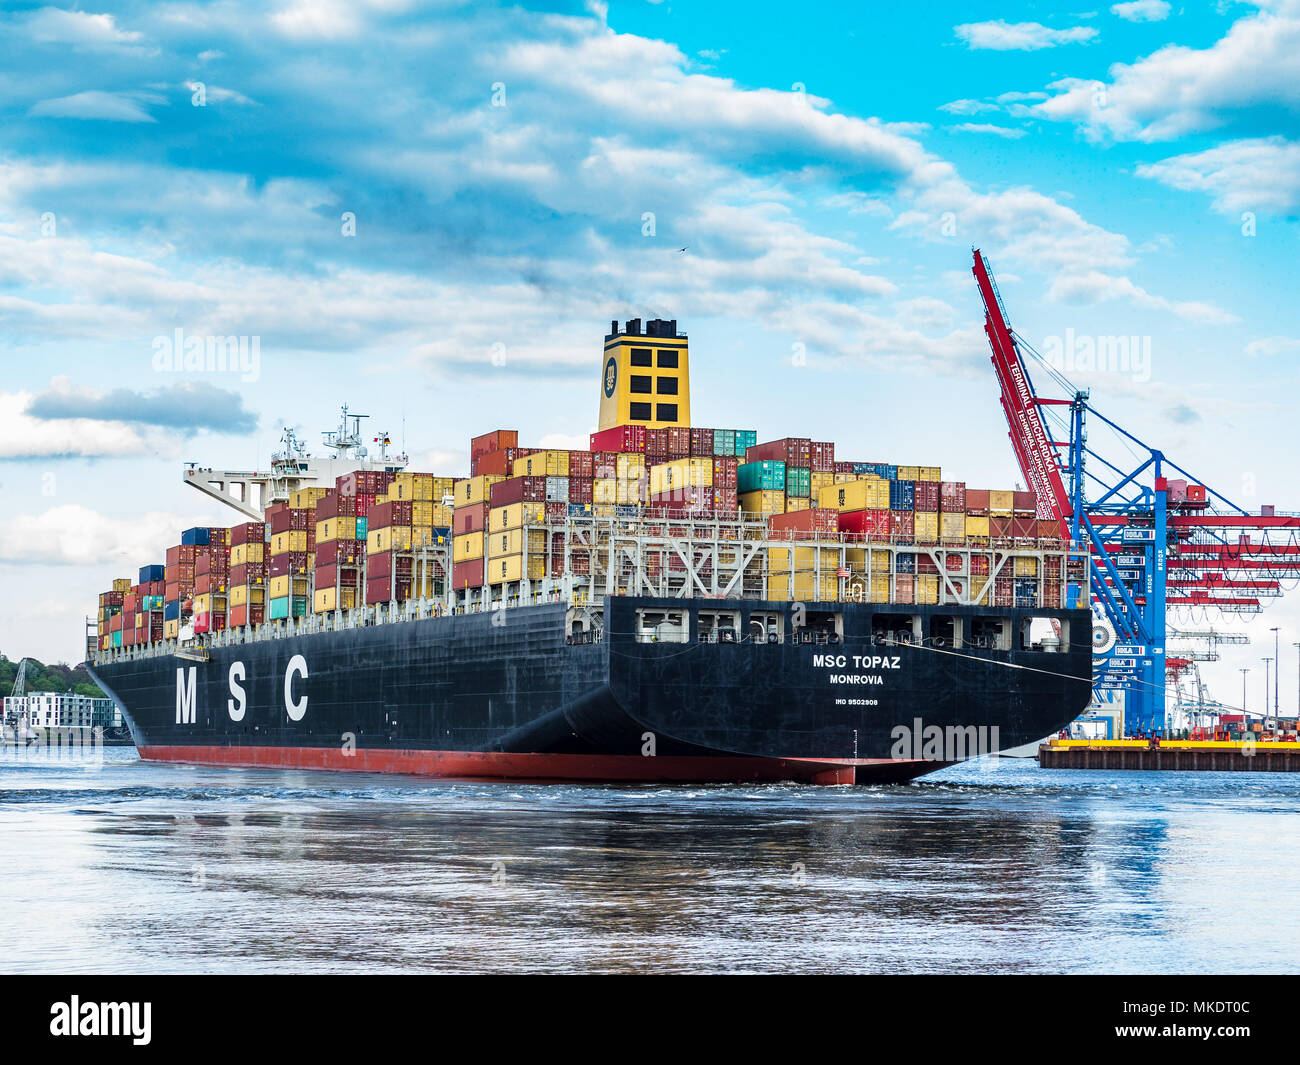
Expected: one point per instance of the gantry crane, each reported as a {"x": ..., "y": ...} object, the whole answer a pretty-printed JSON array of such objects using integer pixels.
[{"x": 1155, "y": 541}]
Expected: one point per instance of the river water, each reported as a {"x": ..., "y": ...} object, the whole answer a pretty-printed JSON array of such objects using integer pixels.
[{"x": 111, "y": 864}]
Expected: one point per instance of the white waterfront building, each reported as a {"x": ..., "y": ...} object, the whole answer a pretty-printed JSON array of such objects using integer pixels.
[{"x": 61, "y": 710}]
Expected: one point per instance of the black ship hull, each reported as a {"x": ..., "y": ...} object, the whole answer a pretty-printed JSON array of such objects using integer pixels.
[{"x": 826, "y": 693}]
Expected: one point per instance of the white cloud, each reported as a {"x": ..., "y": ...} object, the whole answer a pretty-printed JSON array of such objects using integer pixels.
[
  {"x": 25, "y": 437},
  {"x": 1005, "y": 36},
  {"x": 94, "y": 104},
  {"x": 72, "y": 534},
  {"x": 51, "y": 25},
  {"x": 1247, "y": 175},
  {"x": 996, "y": 131},
  {"x": 1179, "y": 90},
  {"x": 968, "y": 107},
  {"x": 1272, "y": 346},
  {"x": 1142, "y": 10},
  {"x": 1094, "y": 287}
]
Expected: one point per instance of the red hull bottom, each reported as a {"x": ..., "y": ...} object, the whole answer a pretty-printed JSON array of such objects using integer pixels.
[{"x": 608, "y": 768}]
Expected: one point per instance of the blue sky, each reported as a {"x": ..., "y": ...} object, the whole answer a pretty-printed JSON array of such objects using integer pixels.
[{"x": 1130, "y": 170}]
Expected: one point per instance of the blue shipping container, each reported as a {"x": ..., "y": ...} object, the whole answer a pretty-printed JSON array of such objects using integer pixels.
[
  {"x": 196, "y": 536},
  {"x": 902, "y": 495},
  {"x": 172, "y": 610},
  {"x": 152, "y": 573}
]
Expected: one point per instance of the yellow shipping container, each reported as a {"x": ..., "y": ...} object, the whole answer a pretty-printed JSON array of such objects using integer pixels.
[
  {"x": 928, "y": 473},
  {"x": 466, "y": 547},
  {"x": 820, "y": 481},
  {"x": 864, "y": 493},
  {"x": 517, "y": 515},
  {"x": 681, "y": 473},
  {"x": 427, "y": 537},
  {"x": 171, "y": 629},
  {"x": 881, "y": 561},
  {"x": 306, "y": 498},
  {"x": 475, "y": 489},
  {"x": 202, "y": 605},
  {"x": 336, "y": 529},
  {"x": 629, "y": 465},
  {"x": 927, "y": 525},
  {"x": 927, "y": 589},
  {"x": 794, "y": 503},
  {"x": 879, "y": 589},
  {"x": 393, "y": 538},
  {"x": 122, "y": 584},
  {"x": 241, "y": 554},
  {"x": 243, "y": 594},
  {"x": 1021, "y": 567},
  {"x": 417, "y": 487},
  {"x": 805, "y": 559},
  {"x": 844, "y": 478},
  {"x": 428, "y": 514},
  {"x": 509, "y": 568},
  {"x": 856, "y": 559},
  {"x": 803, "y": 587},
  {"x": 764, "y": 504},
  {"x": 909, "y": 473},
  {"x": 542, "y": 464},
  {"x": 604, "y": 490},
  {"x": 328, "y": 599},
  {"x": 977, "y": 528},
  {"x": 631, "y": 492},
  {"x": 1001, "y": 502},
  {"x": 952, "y": 526},
  {"x": 284, "y": 542},
  {"x": 511, "y": 542},
  {"x": 287, "y": 585}
]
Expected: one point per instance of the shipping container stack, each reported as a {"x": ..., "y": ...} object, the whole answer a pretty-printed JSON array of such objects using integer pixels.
[
  {"x": 493, "y": 452},
  {"x": 108, "y": 625},
  {"x": 248, "y": 574},
  {"x": 469, "y": 526},
  {"x": 398, "y": 532},
  {"x": 340, "y": 552},
  {"x": 291, "y": 555},
  {"x": 211, "y": 585}
]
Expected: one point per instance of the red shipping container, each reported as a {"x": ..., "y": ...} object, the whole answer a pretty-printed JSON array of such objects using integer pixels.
[
  {"x": 334, "y": 552},
  {"x": 927, "y": 495},
  {"x": 386, "y": 589},
  {"x": 866, "y": 524},
  {"x": 496, "y": 463},
  {"x": 724, "y": 471},
  {"x": 1024, "y": 503},
  {"x": 620, "y": 438},
  {"x": 843, "y": 467},
  {"x": 725, "y": 501},
  {"x": 471, "y": 518},
  {"x": 605, "y": 464},
  {"x": 514, "y": 490},
  {"x": 903, "y": 523},
  {"x": 579, "y": 491},
  {"x": 556, "y": 511},
  {"x": 999, "y": 527},
  {"x": 336, "y": 505},
  {"x": 386, "y": 515},
  {"x": 246, "y": 614},
  {"x": 952, "y": 497},
  {"x": 336, "y": 577},
  {"x": 792, "y": 450},
  {"x": 251, "y": 532},
  {"x": 383, "y": 564},
  {"x": 497, "y": 440},
  {"x": 1024, "y": 528},
  {"x": 467, "y": 574},
  {"x": 218, "y": 536},
  {"x": 582, "y": 464},
  {"x": 253, "y": 573},
  {"x": 702, "y": 443},
  {"x": 290, "y": 563},
  {"x": 977, "y": 501},
  {"x": 814, "y": 521},
  {"x": 823, "y": 456},
  {"x": 292, "y": 519}
]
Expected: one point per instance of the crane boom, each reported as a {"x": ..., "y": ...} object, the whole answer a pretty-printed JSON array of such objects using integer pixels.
[{"x": 1033, "y": 446}]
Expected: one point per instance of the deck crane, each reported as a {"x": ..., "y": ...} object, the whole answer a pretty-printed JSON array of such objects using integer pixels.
[{"x": 1155, "y": 541}]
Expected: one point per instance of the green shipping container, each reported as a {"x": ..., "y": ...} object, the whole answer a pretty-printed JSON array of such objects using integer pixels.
[
  {"x": 724, "y": 441},
  {"x": 117, "y": 638},
  {"x": 798, "y": 481},
  {"x": 765, "y": 476},
  {"x": 745, "y": 438},
  {"x": 288, "y": 607},
  {"x": 361, "y": 528}
]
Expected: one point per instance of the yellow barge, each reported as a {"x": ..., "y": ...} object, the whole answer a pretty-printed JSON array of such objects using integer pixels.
[{"x": 1220, "y": 756}]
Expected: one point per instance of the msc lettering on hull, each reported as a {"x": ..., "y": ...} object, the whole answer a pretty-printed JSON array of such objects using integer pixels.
[{"x": 187, "y": 703}]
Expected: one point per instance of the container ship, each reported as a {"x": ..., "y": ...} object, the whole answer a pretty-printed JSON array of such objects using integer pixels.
[{"x": 672, "y": 604}]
